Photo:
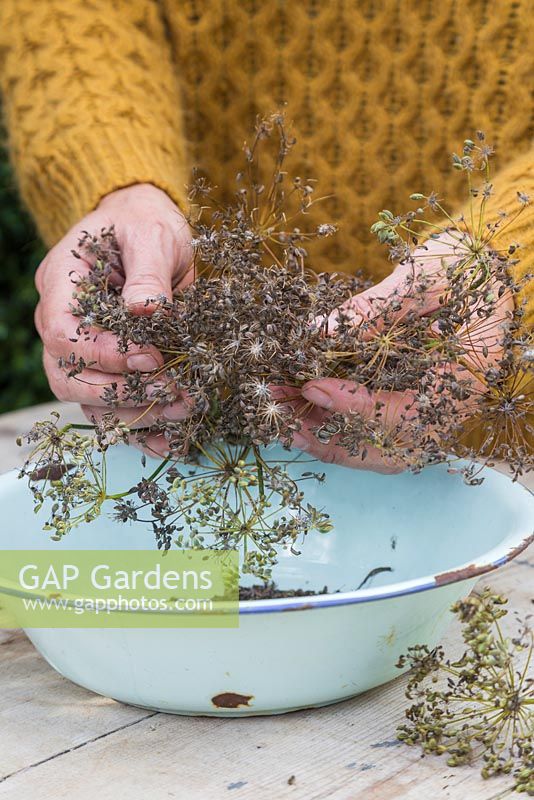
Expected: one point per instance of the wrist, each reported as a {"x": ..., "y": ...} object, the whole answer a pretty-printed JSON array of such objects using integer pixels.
[{"x": 137, "y": 193}]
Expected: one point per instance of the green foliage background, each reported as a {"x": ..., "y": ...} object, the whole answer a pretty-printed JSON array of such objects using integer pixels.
[{"x": 22, "y": 380}]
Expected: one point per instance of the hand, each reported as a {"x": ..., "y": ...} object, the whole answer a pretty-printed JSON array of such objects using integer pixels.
[
  {"x": 334, "y": 395},
  {"x": 155, "y": 243}
]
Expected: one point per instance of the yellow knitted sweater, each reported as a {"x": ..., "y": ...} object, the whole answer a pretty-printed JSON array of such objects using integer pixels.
[{"x": 100, "y": 94}]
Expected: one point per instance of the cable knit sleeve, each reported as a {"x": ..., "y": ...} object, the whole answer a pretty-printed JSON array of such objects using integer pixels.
[
  {"x": 518, "y": 177},
  {"x": 92, "y": 104}
]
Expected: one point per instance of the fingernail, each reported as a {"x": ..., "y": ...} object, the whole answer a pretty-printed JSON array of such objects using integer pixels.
[
  {"x": 300, "y": 442},
  {"x": 176, "y": 411},
  {"x": 317, "y": 396},
  {"x": 142, "y": 361},
  {"x": 142, "y": 306}
]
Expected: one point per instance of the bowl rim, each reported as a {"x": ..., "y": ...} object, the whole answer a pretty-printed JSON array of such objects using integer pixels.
[
  {"x": 468, "y": 571},
  {"x": 503, "y": 553}
]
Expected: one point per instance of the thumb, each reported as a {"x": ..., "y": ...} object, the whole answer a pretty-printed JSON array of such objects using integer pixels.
[
  {"x": 337, "y": 395},
  {"x": 402, "y": 291},
  {"x": 152, "y": 258},
  {"x": 416, "y": 285},
  {"x": 147, "y": 282}
]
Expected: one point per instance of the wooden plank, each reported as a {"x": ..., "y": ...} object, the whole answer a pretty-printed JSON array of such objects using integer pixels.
[
  {"x": 43, "y": 714},
  {"x": 58, "y": 741},
  {"x": 202, "y": 759},
  {"x": 341, "y": 752},
  {"x": 333, "y": 754}
]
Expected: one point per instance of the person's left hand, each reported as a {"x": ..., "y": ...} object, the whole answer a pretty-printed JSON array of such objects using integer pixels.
[{"x": 330, "y": 395}]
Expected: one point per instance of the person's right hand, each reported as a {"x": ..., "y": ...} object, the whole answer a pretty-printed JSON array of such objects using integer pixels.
[{"x": 155, "y": 243}]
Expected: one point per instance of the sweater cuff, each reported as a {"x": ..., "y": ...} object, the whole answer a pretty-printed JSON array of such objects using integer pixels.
[
  {"x": 62, "y": 187},
  {"x": 517, "y": 228}
]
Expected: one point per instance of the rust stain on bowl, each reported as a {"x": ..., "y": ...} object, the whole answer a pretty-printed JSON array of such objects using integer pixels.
[
  {"x": 463, "y": 574},
  {"x": 231, "y": 700},
  {"x": 473, "y": 571}
]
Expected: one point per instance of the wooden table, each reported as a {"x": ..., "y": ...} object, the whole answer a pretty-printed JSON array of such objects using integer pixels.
[{"x": 60, "y": 742}]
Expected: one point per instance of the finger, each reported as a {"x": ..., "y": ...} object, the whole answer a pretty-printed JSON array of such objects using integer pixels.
[
  {"x": 417, "y": 286},
  {"x": 152, "y": 445},
  {"x": 163, "y": 444},
  {"x": 284, "y": 392},
  {"x": 134, "y": 418},
  {"x": 89, "y": 387},
  {"x": 153, "y": 254},
  {"x": 399, "y": 293},
  {"x": 334, "y": 453},
  {"x": 99, "y": 349},
  {"x": 57, "y": 326},
  {"x": 155, "y": 445},
  {"x": 185, "y": 277},
  {"x": 336, "y": 395}
]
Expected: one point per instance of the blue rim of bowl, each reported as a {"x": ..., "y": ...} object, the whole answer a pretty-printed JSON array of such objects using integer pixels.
[
  {"x": 462, "y": 573},
  {"x": 467, "y": 572}
]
